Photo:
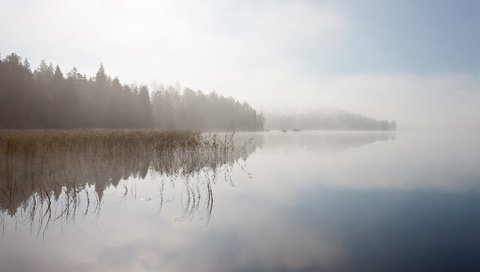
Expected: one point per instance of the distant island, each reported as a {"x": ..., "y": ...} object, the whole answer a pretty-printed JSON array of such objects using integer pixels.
[
  {"x": 326, "y": 120},
  {"x": 46, "y": 98}
]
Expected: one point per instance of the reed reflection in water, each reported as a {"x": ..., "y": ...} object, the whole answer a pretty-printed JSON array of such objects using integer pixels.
[{"x": 48, "y": 175}]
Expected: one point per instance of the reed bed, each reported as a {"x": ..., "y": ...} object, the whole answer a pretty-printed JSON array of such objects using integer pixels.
[{"x": 39, "y": 168}]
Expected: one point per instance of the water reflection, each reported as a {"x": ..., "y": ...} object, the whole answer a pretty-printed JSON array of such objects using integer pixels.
[
  {"x": 44, "y": 180},
  {"x": 318, "y": 201},
  {"x": 316, "y": 141},
  {"x": 47, "y": 177}
]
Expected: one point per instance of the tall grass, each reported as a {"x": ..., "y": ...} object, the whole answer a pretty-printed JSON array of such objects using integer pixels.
[{"x": 41, "y": 168}]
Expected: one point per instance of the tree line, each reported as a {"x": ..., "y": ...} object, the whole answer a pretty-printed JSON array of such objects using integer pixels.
[
  {"x": 327, "y": 120},
  {"x": 47, "y": 98}
]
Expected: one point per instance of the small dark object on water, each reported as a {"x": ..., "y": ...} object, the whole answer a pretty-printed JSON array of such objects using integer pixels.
[{"x": 284, "y": 130}]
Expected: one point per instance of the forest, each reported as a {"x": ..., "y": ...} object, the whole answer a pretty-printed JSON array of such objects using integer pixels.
[
  {"x": 327, "y": 120},
  {"x": 47, "y": 98}
]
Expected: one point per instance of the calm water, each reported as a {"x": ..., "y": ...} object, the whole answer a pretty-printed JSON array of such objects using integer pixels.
[{"x": 308, "y": 201}]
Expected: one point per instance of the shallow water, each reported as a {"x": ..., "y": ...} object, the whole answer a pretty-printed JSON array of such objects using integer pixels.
[{"x": 307, "y": 201}]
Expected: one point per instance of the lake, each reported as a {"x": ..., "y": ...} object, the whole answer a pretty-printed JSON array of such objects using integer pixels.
[{"x": 295, "y": 201}]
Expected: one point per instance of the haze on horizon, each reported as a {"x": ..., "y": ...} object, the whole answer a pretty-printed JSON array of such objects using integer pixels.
[{"x": 416, "y": 62}]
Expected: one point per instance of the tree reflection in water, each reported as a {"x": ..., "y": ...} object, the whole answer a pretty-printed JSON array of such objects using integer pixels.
[{"x": 49, "y": 176}]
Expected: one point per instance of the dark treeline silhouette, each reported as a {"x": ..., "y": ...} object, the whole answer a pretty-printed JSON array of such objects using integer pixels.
[
  {"x": 199, "y": 111},
  {"x": 46, "y": 98},
  {"x": 327, "y": 120}
]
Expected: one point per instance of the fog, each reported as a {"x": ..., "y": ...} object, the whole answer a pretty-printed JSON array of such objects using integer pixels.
[
  {"x": 239, "y": 135},
  {"x": 358, "y": 56}
]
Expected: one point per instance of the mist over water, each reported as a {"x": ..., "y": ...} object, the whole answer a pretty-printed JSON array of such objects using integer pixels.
[
  {"x": 186, "y": 135},
  {"x": 321, "y": 201}
]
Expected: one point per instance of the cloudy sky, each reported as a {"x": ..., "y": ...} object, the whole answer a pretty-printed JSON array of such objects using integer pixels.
[{"x": 417, "y": 62}]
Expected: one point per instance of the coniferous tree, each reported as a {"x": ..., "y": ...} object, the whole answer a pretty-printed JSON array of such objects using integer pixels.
[{"x": 46, "y": 98}]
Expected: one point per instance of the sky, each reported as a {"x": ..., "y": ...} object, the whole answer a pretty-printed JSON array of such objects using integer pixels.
[{"x": 413, "y": 61}]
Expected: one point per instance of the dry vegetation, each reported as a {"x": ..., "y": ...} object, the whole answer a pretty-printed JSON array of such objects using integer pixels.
[{"x": 40, "y": 168}]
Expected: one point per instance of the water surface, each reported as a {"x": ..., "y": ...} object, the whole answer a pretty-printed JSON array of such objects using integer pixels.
[{"x": 307, "y": 201}]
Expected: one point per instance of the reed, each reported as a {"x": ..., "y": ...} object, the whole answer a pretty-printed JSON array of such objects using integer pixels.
[{"x": 40, "y": 169}]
